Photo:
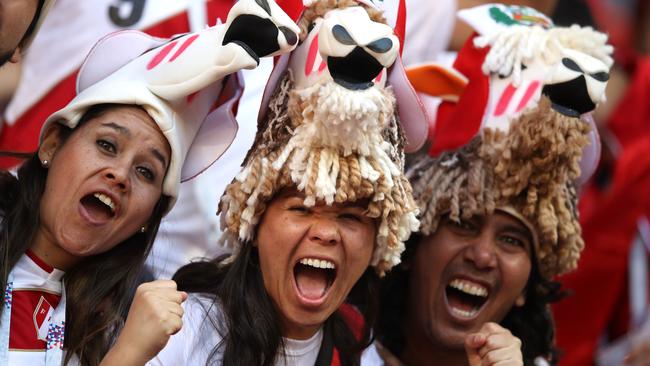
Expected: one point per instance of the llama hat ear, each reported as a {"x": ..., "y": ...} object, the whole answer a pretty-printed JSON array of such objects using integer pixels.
[{"x": 188, "y": 85}]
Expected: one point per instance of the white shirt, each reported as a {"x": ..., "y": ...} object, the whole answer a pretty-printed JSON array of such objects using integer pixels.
[
  {"x": 193, "y": 344},
  {"x": 37, "y": 289}
]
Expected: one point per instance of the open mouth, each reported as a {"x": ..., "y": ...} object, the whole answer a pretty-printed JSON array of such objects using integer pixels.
[
  {"x": 466, "y": 298},
  {"x": 258, "y": 36},
  {"x": 98, "y": 206},
  {"x": 314, "y": 277},
  {"x": 355, "y": 71},
  {"x": 570, "y": 98}
]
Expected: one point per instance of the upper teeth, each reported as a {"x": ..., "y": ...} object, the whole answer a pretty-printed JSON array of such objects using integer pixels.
[
  {"x": 469, "y": 287},
  {"x": 105, "y": 200},
  {"x": 318, "y": 263}
]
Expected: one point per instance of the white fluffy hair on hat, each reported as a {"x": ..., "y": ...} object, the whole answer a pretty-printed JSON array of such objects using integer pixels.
[{"x": 179, "y": 81}]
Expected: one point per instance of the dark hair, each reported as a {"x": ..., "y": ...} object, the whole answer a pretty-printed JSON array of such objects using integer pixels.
[
  {"x": 97, "y": 288},
  {"x": 250, "y": 325},
  {"x": 531, "y": 323}
]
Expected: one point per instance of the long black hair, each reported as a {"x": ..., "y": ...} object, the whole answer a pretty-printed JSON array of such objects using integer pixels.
[
  {"x": 531, "y": 323},
  {"x": 98, "y": 288},
  {"x": 250, "y": 329}
]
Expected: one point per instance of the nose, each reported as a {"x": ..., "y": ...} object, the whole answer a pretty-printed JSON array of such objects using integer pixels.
[
  {"x": 324, "y": 231},
  {"x": 482, "y": 252},
  {"x": 118, "y": 177}
]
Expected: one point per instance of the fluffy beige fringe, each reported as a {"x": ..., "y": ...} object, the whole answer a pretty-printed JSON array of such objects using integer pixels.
[
  {"x": 531, "y": 168},
  {"x": 521, "y": 44},
  {"x": 333, "y": 154}
]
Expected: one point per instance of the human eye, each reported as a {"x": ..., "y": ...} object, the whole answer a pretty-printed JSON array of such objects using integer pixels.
[
  {"x": 107, "y": 146},
  {"x": 513, "y": 241},
  {"x": 147, "y": 173},
  {"x": 351, "y": 216},
  {"x": 298, "y": 208}
]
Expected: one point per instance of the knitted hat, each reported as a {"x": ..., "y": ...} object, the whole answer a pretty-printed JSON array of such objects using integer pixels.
[
  {"x": 514, "y": 133},
  {"x": 331, "y": 130},
  {"x": 183, "y": 83}
]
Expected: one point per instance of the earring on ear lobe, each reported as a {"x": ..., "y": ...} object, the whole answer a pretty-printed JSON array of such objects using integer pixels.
[
  {"x": 143, "y": 229},
  {"x": 521, "y": 301},
  {"x": 45, "y": 163}
]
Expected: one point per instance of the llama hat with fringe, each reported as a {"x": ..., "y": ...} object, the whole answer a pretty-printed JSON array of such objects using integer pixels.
[
  {"x": 514, "y": 132},
  {"x": 331, "y": 130},
  {"x": 183, "y": 83}
]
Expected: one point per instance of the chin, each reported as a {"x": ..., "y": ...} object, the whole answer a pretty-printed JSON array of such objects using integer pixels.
[{"x": 82, "y": 247}]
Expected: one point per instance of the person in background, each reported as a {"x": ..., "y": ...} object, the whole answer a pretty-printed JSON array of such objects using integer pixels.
[
  {"x": 497, "y": 193},
  {"x": 19, "y": 23}
]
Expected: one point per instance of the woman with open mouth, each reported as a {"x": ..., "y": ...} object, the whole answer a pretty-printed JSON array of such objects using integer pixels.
[
  {"x": 78, "y": 221},
  {"x": 497, "y": 194},
  {"x": 320, "y": 209}
]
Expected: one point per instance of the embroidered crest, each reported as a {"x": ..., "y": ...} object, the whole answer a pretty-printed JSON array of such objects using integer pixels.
[{"x": 41, "y": 317}]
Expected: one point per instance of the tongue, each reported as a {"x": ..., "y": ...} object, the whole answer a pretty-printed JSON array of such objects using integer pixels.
[
  {"x": 96, "y": 209},
  {"x": 312, "y": 282}
]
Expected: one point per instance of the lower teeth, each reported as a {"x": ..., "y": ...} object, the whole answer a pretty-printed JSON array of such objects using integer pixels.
[{"x": 463, "y": 313}]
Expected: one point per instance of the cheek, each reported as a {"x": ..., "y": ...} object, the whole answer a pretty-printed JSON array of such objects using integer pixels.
[
  {"x": 275, "y": 245},
  {"x": 361, "y": 244},
  {"x": 426, "y": 273},
  {"x": 143, "y": 203},
  {"x": 516, "y": 272}
]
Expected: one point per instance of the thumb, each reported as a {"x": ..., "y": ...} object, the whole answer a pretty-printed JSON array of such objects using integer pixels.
[{"x": 473, "y": 343}]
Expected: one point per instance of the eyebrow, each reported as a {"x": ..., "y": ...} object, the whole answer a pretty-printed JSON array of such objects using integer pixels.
[
  {"x": 521, "y": 231},
  {"x": 158, "y": 155},
  {"x": 125, "y": 131},
  {"x": 121, "y": 129}
]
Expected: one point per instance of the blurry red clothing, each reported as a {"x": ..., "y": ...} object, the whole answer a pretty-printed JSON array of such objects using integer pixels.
[{"x": 609, "y": 218}]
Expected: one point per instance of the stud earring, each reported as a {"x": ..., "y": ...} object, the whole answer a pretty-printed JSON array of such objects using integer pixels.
[
  {"x": 45, "y": 163},
  {"x": 143, "y": 229}
]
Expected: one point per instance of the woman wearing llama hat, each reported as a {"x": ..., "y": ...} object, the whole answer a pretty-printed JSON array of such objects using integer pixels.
[
  {"x": 320, "y": 208},
  {"x": 80, "y": 218},
  {"x": 497, "y": 192}
]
